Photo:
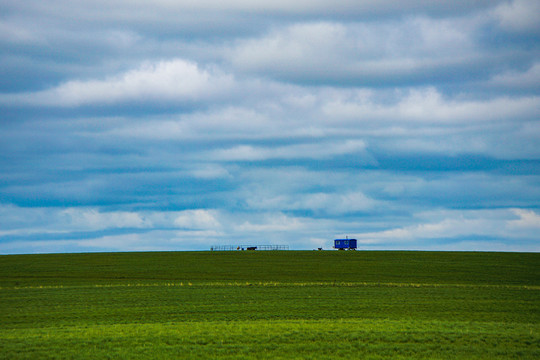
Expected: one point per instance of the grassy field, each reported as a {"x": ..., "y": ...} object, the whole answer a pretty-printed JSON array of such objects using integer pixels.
[{"x": 268, "y": 305}]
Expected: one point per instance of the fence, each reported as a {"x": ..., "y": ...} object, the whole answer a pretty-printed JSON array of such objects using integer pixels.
[{"x": 251, "y": 247}]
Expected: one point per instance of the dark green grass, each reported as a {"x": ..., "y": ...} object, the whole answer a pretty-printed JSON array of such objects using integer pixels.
[
  {"x": 270, "y": 305},
  {"x": 281, "y": 266}
]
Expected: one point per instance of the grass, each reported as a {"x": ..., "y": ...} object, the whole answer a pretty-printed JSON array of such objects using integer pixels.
[
  {"x": 355, "y": 338},
  {"x": 257, "y": 305},
  {"x": 282, "y": 266}
]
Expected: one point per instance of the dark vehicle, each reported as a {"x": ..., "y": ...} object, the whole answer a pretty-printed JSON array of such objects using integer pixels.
[{"x": 345, "y": 244}]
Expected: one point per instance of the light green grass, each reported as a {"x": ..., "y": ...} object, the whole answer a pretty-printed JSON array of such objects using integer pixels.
[
  {"x": 277, "y": 339},
  {"x": 270, "y": 305}
]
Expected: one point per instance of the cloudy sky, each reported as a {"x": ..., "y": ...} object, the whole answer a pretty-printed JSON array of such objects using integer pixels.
[{"x": 132, "y": 125}]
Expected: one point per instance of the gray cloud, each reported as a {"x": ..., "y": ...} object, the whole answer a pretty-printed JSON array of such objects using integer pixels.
[
  {"x": 390, "y": 53},
  {"x": 519, "y": 15}
]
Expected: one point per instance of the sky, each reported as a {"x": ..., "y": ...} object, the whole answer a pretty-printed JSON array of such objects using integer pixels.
[{"x": 135, "y": 125}]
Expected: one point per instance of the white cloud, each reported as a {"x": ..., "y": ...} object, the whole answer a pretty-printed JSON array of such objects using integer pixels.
[
  {"x": 504, "y": 229},
  {"x": 197, "y": 219},
  {"x": 129, "y": 242},
  {"x": 526, "y": 80},
  {"x": 346, "y": 203},
  {"x": 298, "y": 151},
  {"x": 36, "y": 247},
  {"x": 25, "y": 221},
  {"x": 210, "y": 171},
  {"x": 424, "y": 121},
  {"x": 318, "y": 202},
  {"x": 232, "y": 122},
  {"x": 460, "y": 224},
  {"x": 428, "y": 106},
  {"x": 175, "y": 79},
  {"x": 94, "y": 220},
  {"x": 221, "y": 123},
  {"x": 270, "y": 223},
  {"x": 528, "y": 220},
  {"x": 333, "y": 122}
]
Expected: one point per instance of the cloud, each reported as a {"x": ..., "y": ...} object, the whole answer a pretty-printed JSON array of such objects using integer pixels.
[
  {"x": 14, "y": 32},
  {"x": 428, "y": 106},
  {"x": 271, "y": 223},
  {"x": 460, "y": 224},
  {"x": 169, "y": 80},
  {"x": 494, "y": 229},
  {"x": 151, "y": 11},
  {"x": 34, "y": 220},
  {"x": 422, "y": 120},
  {"x": 519, "y": 15},
  {"x": 318, "y": 203},
  {"x": 93, "y": 219},
  {"x": 220, "y": 123},
  {"x": 210, "y": 171},
  {"x": 297, "y": 151},
  {"x": 197, "y": 219},
  {"x": 528, "y": 219},
  {"x": 167, "y": 125},
  {"x": 358, "y": 53},
  {"x": 518, "y": 80},
  {"x": 336, "y": 204},
  {"x": 20, "y": 221}
]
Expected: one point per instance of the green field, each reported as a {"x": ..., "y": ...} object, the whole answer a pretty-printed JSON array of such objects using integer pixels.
[{"x": 270, "y": 305}]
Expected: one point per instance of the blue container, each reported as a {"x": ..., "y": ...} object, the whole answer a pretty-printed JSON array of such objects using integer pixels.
[{"x": 345, "y": 244}]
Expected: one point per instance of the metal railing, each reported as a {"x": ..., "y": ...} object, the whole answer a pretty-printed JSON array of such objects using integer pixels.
[{"x": 246, "y": 247}]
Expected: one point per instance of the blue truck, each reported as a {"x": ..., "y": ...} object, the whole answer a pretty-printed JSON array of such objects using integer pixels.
[{"x": 345, "y": 244}]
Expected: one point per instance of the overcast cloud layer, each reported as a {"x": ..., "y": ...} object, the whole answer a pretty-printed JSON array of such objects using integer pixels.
[{"x": 178, "y": 125}]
